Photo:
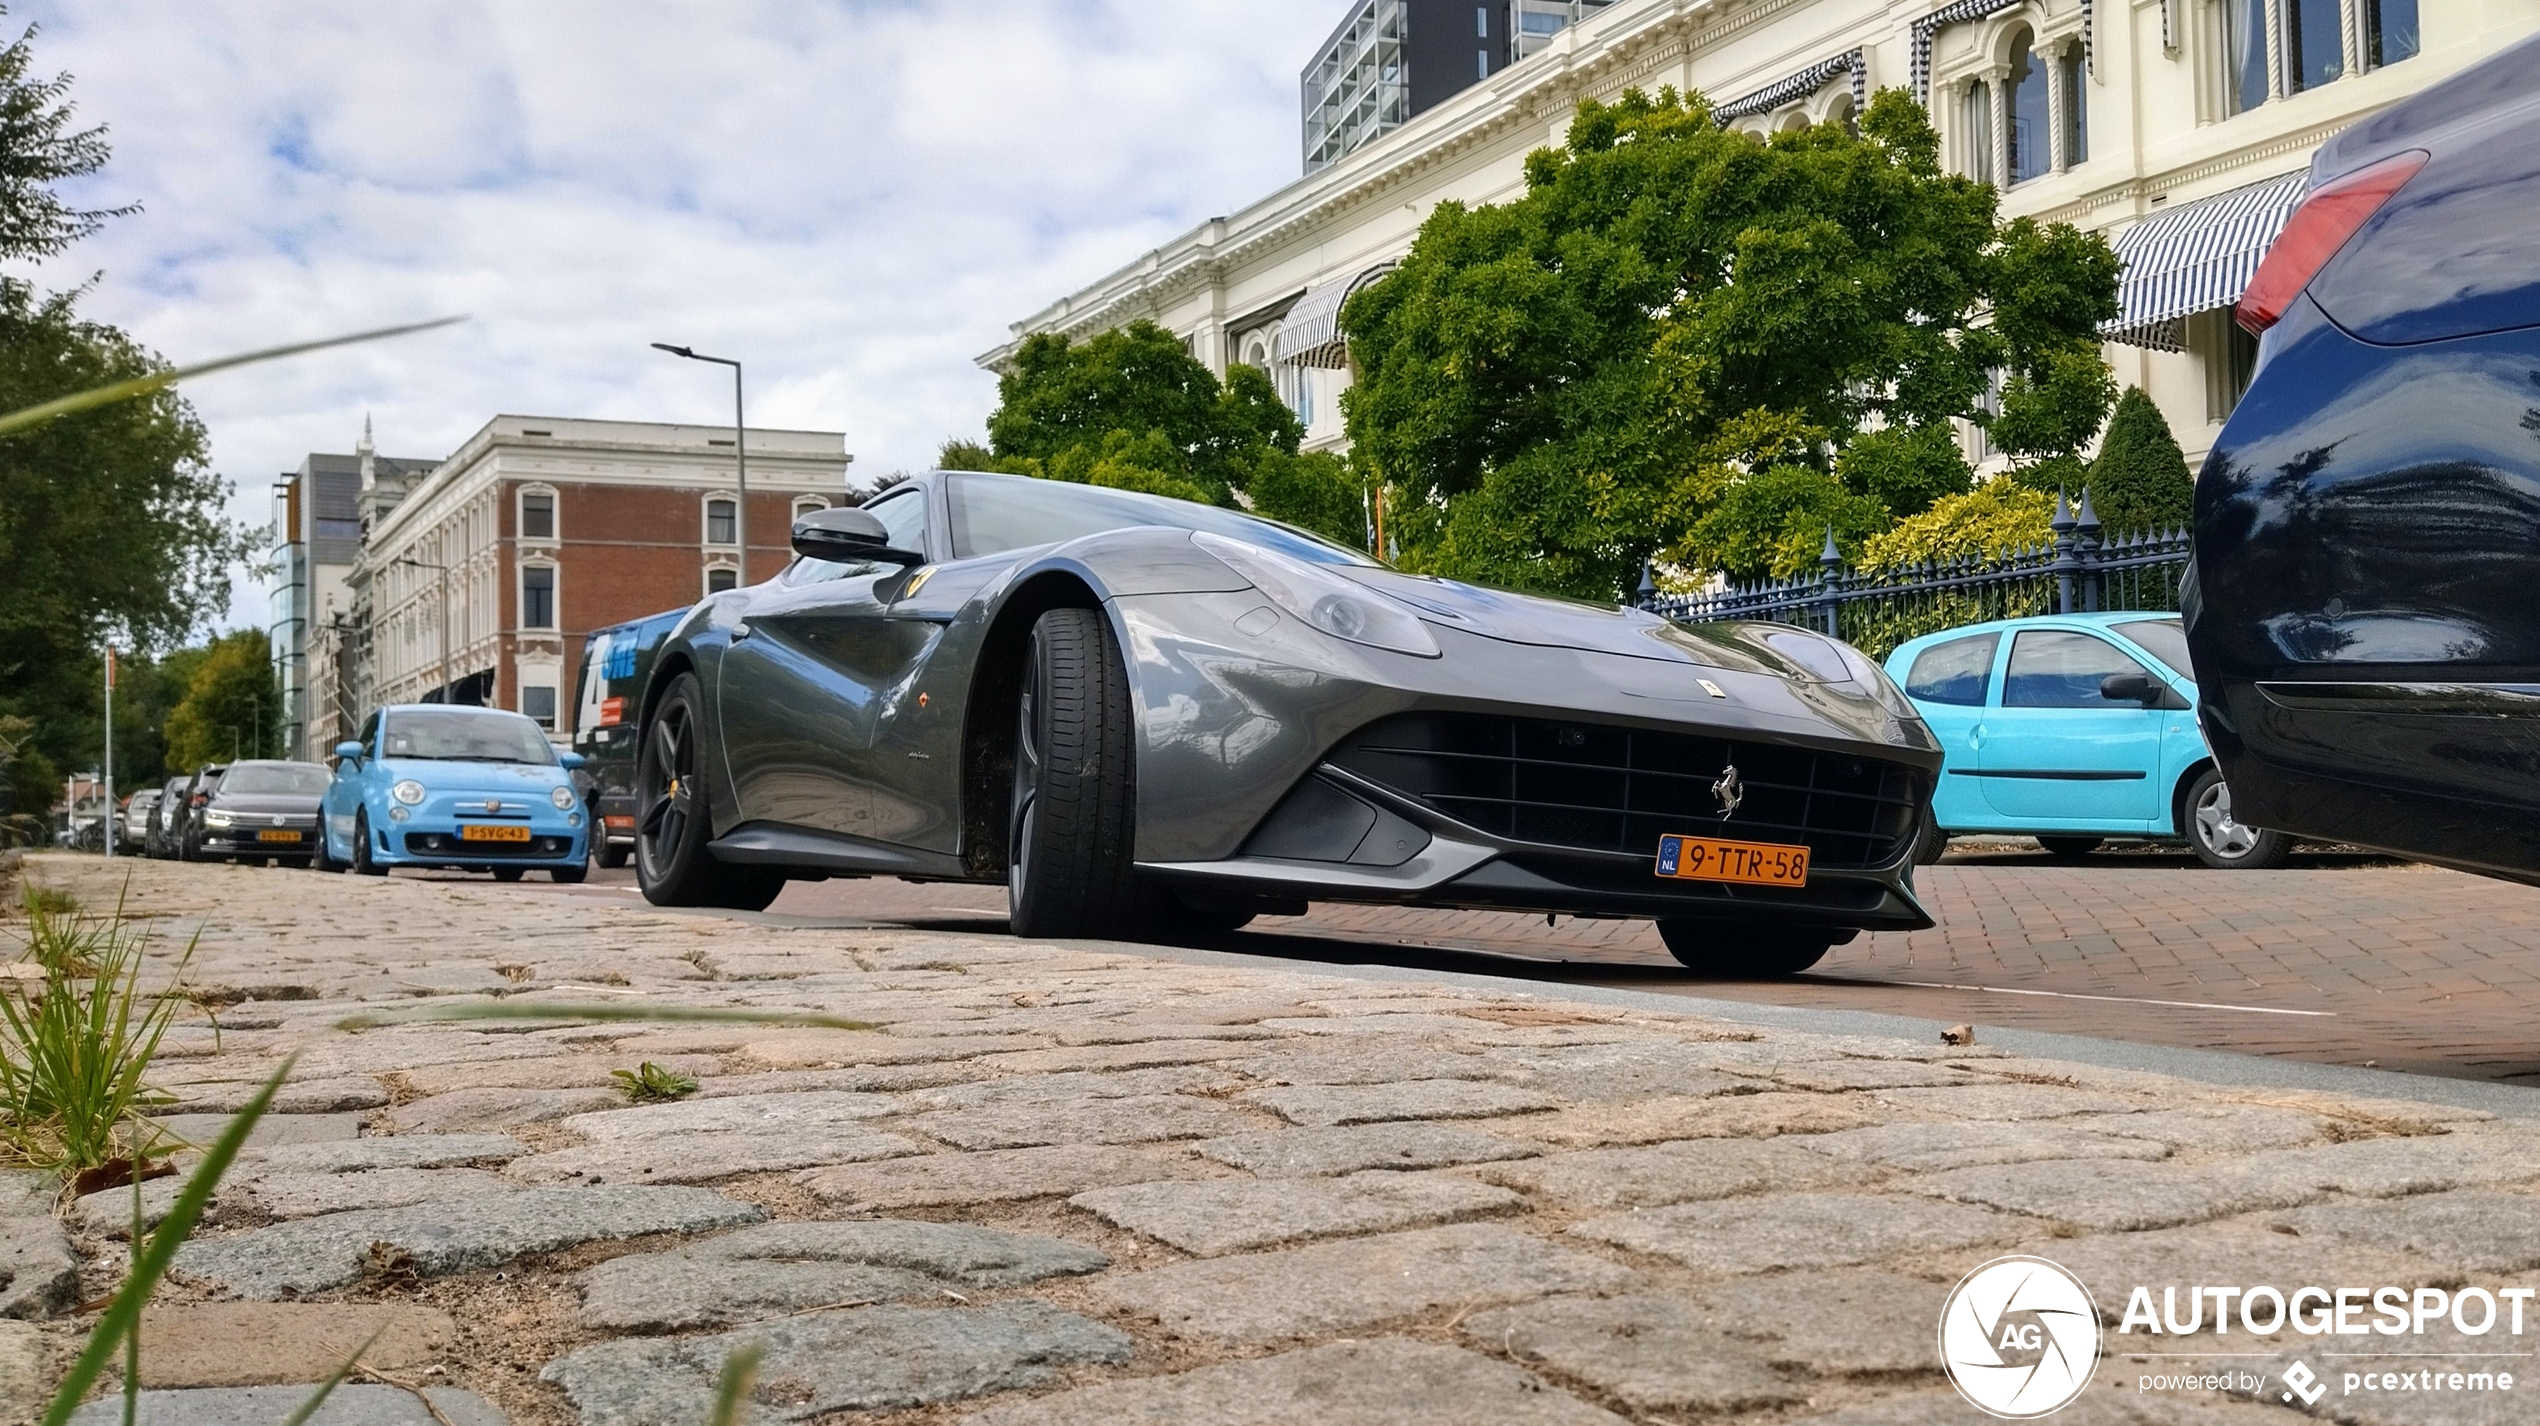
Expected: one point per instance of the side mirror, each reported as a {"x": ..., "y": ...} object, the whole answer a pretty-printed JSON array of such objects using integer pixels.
[
  {"x": 2126, "y": 688},
  {"x": 846, "y": 537},
  {"x": 569, "y": 761},
  {"x": 349, "y": 750}
]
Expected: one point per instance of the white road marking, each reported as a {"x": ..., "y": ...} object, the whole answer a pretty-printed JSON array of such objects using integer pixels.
[{"x": 2118, "y": 999}]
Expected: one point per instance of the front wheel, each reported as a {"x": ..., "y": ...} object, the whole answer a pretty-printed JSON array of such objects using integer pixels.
[
  {"x": 672, "y": 863},
  {"x": 1929, "y": 841},
  {"x": 2221, "y": 840},
  {"x": 1734, "y": 950},
  {"x": 362, "y": 864},
  {"x": 613, "y": 856},
  {"x": 1068, "y": 841},
  {"x": 568, "y": 875},
  {"x": 507, "y": 873},
  {"x": 2070, "y": 848}
]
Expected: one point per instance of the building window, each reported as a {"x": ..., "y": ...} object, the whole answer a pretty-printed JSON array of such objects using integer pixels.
[
  {"x": 721, "y": 517},
  {"x": 2076, "y": 107},
  {"x": 537, "y": 515},
  {"x": 2390, "y": 31},
  {"x": 2032, "y": 116},
  {"x": 721, "y": 578},
  {"x": 538, "y": 704},
  {"x": 1978, "y": 111},
  {"x": 2314, "y": 43},
  {"x": 1481, "y": 21},
  {"x": 2231, "y": 360},
  {"x": 538, "y": 596},
  {"x": 2244, "y": 48},
  {"x": 808, "y": 504}
]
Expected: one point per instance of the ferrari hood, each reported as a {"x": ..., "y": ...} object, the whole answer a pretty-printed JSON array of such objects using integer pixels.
[{"x": 1776, "y": 650}]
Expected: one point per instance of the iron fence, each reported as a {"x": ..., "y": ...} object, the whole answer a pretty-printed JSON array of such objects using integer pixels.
[{"x": 2078, "y": 572}]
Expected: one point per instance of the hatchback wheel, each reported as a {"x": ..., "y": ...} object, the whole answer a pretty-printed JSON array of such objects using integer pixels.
[
  {"x": 362, "y": 864},
  {"x": 672, "y": 823},
  {"x": 1733, "y": 950},
  {"x": 2222, "y": 840},
  {"x": 2070, "y": 848},
  {"x": 1068, "y": 842}
]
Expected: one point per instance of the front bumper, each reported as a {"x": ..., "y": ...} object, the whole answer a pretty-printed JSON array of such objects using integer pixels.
[
  {"x": 245, "y": 840},
  {"x": 432, "y": 842}
]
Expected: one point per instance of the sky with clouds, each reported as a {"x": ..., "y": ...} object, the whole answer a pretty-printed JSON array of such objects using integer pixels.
[{"x": 853, "y": 196}]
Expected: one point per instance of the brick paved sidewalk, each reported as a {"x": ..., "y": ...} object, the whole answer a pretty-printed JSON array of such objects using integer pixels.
[{"x": 1084, "y": 1185}]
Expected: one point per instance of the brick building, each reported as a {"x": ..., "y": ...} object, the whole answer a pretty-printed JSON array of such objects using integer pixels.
[{"x": 478, "y": 582}]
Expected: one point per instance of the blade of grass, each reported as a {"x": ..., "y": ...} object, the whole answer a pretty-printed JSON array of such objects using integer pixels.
[
  {"x": 514, "y": 1009},
  {"x": 123, "y": 1314},
  {"x": 156, "y": 381},
  {"x": 740, "y": 1373},
  {"x": 326, "y": 1388}
]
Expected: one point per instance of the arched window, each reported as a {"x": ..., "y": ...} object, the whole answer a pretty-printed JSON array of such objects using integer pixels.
[
  {"x": 807, "y": 504},
  {"x": 2032, "y": 118},
  {"x": 1840, "y": 112},
  {"x": 1978, "y": 125}
]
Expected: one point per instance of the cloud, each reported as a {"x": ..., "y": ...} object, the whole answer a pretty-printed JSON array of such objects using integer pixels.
[{"x": 854, "y": 197}]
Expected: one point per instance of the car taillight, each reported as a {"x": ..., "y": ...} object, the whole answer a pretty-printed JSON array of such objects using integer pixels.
[{"x": 2318, "y": 229}]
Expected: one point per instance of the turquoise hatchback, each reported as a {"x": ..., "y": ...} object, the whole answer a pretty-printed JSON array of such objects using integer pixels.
[{"x": 2073, "y": 729}]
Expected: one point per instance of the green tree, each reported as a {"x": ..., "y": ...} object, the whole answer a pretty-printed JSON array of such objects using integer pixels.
[
  {"x": 1131, "y": 409},
  {"x": 2140, "y": 480},
  {"x": 229, "y": 704},
  {"x": 1556, "y": 388}
]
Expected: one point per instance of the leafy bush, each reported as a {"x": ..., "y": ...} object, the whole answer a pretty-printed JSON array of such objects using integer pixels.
[{"x": 1997, "y": 518}]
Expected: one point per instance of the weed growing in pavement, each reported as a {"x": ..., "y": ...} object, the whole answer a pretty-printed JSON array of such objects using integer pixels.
[
  {"x": 649, "y": 1083},
  {"x": 34, "y": 899},
  {"x": 75, "y": 1047}
]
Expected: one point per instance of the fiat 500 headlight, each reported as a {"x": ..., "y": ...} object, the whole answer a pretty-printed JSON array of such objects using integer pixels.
[
  {"x": 1324, "y": 601},
  {"x": 409, "y": 792},
  {"x": 563, "y": 798}
]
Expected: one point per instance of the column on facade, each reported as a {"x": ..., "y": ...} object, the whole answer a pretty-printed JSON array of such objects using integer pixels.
[
  {"x": 1997, "y": 81},
  {"x": 2273, "y": 39},
  {"x": 2058, "y": 103}
]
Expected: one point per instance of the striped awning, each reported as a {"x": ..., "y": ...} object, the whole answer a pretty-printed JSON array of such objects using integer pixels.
[
  {"x": 1311, "y": 336},
  {"x": 2196, "y": 258}
]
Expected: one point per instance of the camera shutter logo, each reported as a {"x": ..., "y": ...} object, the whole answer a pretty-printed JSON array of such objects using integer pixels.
[{"x": 2019, "y": 1337}]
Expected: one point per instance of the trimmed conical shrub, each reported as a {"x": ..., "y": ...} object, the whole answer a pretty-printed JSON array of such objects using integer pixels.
[{"x": 2140, "y": 480}]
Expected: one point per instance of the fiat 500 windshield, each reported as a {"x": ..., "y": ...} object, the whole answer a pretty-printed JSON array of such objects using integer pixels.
[{"x": 467, "y": 737}]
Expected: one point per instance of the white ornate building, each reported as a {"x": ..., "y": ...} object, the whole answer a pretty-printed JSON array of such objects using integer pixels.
[{"x": 2180, "y": 128}]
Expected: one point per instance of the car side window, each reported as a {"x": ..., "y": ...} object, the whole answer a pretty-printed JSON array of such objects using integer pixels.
[
  {"x": 2057, "y": 668},
  {"x": 1959, "y": 671}
]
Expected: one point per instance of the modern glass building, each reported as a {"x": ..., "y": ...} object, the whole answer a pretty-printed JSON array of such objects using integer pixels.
[{"x": 1391, "y": 59}]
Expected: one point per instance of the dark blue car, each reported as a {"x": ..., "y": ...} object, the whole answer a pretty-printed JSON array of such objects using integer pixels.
[{"x": 2364, "y": 610}]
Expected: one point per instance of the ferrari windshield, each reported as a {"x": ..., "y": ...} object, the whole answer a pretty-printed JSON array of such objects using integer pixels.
[
  {"x": 464, "y": 735},
  {"x": 305, "y": 779},
  {"x": 992, "y": 514}
]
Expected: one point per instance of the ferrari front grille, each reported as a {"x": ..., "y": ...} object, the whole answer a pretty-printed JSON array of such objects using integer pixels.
[{"x": 1598, "y": 787}]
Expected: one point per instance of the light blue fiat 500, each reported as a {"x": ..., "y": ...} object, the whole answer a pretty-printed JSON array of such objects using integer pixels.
[
  {"x": 479, "y": 789},
  {"x": 2073, "y": 729}
]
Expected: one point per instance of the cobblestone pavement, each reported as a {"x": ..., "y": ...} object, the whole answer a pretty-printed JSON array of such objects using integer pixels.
[
  {"x": 2340, "y": 960},
  {"x": 1081, "y": 1184}
]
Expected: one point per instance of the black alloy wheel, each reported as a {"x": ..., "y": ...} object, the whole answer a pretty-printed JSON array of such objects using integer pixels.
[
  {"x": 1069, "y": 827},
  {"x": 568, "y": 875},
  {"x": 1930, "y": 843},
  {"x": 1733, "y": 950},
  {"x": 2221, "y": 840},
  {"x": 2070, "y": 848},
  {"x": 320, "y": 859},
  {"x": 672, "y": 862},
  {"x": 507, "y": 873},
  {"x": 362, "y": 864}
]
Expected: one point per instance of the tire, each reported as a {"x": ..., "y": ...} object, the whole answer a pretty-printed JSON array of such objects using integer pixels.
[
  {"x": 1069, "y": 832},
  {"x": 362, "y": 864},
  {"x": 320, "y": 859},
  {"x": 1929, "y": 842},
  {"x": 1733, "y": 950},
  {"x": 672, "y": 827},
  {"x": 507, "y": 873},
  {"x": 613, "y": 856},
  {"x": 2070, "y": 848},
  {"x": 2219, "y": 840},
  {"x": 568, "y": 875}
]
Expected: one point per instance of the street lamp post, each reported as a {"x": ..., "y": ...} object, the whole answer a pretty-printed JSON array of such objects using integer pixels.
[
  {"x": 445, "y": 616},
  {"x": 740, "y": 451}
]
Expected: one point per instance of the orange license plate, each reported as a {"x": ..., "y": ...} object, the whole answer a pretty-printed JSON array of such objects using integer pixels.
[
  {"x": 471, "y": 832},
  {"x": 277, "y": 836},
  {"x": 1747, "y": 863}
]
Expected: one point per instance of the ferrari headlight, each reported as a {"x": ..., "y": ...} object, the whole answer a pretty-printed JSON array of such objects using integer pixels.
[
  {"x": 1324, "y": 601},
  {"x": 217, "y": 819},
  {"x": 563, "y": 798},
  {"x": 409, "y": 792}
]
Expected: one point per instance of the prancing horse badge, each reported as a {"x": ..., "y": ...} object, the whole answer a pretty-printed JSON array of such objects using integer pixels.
[{"x": 1729, "y": 791}]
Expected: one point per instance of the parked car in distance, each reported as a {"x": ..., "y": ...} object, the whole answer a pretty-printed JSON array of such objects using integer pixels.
[
  {"x": 479, "y": 789},
  {"x": 261, "y": 810},
  {"x": 165, "y": 818},
  {"x": 1148, "y": 717},
  {"x": 140, "y": 810},
  {"x": 615, "y": 663},
  {"x": 2073, "y": 729},
  {"x": 2363, "y": 607},
  {"x": 189, "y": 813}
]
